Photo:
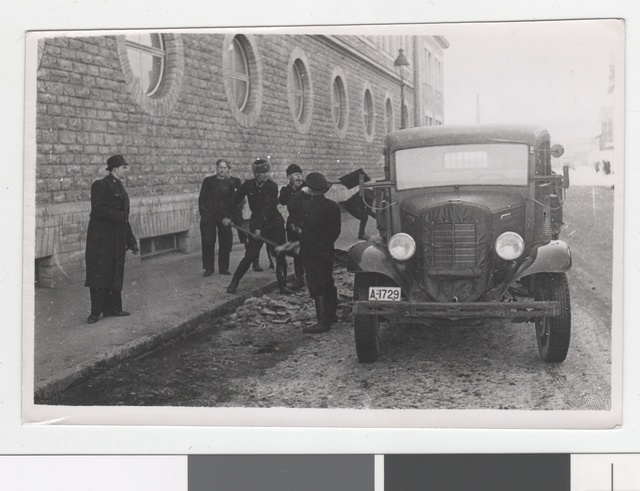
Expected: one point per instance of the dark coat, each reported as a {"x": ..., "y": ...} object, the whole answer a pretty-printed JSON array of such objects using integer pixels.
[
  {"x": 214, "y": 197},
  {"x": 263, "y": 203},
  {"x": 320, "y": 220},
  {"x": 286, "y": 192},
  {"x": 109, "y": 234}
]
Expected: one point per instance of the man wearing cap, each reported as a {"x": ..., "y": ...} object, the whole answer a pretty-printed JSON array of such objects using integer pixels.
[
  {"x": 266, "y": 221},
  {"x": 320, "y": 223},
  {"x": 215, "y": 193},
  {"x": 294, "y": 173},
  {"x": 109, "y": 236}
]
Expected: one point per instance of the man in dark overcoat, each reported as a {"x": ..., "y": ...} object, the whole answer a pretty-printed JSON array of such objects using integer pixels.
[
  {"x": 320, "y": 223},
  {"x": 266, "y": 221},
  {"x": 215, "y": 193},
  {"x": 109, "y": 236},
  {"x": 294, "y": 174}
]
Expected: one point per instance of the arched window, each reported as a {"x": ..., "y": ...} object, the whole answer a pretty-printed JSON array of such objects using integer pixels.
[
  {"x": 239, "y": 73},
  {"x": 300, "y": 90},
  {"x": 153, "y": 69},
  {"x": 243, "y": 78},
  {"x": 338, "y": 103},
  {"x": 297, "y": 89},
  {"x": 369, "y": 114},
  {"x": 146, "y": 53},
  {"x": 388, "y": 115}
]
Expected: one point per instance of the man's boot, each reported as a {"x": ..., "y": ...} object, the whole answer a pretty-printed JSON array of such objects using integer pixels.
[
  {"x": 323, "y": 324},
  {"x": 233, "y": 286},
  {"x": 298, "y": 282},
  {"x": 332, "y": 305},
  {"x": 281, "y": 275},
  {"x": 256, "y": 265}
]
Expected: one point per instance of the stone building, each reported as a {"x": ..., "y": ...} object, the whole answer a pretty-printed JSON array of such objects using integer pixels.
[{"x": 173, "y": 103}]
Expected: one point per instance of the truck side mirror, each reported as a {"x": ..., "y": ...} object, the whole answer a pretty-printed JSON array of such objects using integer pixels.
[{"x": 565, "y": 176}]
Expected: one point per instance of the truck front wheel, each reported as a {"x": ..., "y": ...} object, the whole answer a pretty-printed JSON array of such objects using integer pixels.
[
  {"x": 366, "y": 327},
  {"x": 553, "y": 333}
]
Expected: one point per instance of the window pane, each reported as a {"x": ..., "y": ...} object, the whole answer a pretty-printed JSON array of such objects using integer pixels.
[
  {"x": 298, "y": 90},
  {"x": 389, "y": 115},
  {"x": 501, "y": 164},
  {"x": 240, "y": 74},
  {"x": 146, "y": 58},
  {"x": 368, "y": 112},
  {"x": 337, "y": 102}
]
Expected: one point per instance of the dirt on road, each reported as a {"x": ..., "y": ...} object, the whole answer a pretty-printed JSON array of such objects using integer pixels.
[{"x": 259, "y": 357}]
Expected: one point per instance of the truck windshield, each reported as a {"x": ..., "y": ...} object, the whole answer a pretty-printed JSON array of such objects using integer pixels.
[{"x": 495, "y": 163}]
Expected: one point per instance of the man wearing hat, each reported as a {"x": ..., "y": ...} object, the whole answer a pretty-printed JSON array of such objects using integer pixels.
[
  {"x": 214, "y": 195},
  {"x": 109, "y": 236},
  {"x": 266, "y": 221},
  {"x": 294, "y": 173},
  {"x": 320, "y": 223}
]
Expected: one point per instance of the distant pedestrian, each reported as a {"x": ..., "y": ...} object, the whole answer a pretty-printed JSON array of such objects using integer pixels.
[
  {"x": 597, "y": 166},
  {"x": 109, "y": 236},
  {"x": 215, "y": 193},
  {"x": 266, "y": 221},
  {"x": 606, "y": 167},
  {"x": 320, "y": 223},
  {"x": 294, "y": 174}
]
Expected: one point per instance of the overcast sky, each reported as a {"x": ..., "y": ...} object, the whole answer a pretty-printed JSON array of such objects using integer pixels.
[{"x": 551, "y": 73}]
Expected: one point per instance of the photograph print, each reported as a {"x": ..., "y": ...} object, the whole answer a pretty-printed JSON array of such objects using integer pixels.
[{"x": 365, "y": 226}]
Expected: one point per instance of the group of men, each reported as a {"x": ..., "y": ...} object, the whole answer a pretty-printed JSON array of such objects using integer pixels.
[
  {"x": 309, "y": 235},
  {"x": 313, "y": 222}
]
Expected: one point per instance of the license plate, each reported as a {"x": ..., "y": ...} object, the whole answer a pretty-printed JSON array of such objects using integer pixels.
[{"x": 384, "y": 293}]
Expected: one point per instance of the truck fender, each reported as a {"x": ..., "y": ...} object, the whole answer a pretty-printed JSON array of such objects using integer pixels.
[
  {"x": 549, "y": 257},
  {"x": 371, "y": 257}
]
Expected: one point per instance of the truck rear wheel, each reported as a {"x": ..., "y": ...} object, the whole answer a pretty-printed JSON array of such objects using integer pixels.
[
  {"x": 553, "y": 333},
  {"x": 366, "y": 327}
]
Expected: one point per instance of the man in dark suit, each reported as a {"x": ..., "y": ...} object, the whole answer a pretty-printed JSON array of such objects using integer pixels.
[
  {"x": 320, "y": 223},
  {"x": 266, "y": 221},
  {"x": 213, "y": 200},
  {"x": 238, "y": 219},
  {"x": 109, "y": 236}
]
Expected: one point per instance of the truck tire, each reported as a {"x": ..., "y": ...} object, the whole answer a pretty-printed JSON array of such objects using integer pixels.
[
  {"x": 366, "y": 327},
  {"x": 553, "y": 333}
]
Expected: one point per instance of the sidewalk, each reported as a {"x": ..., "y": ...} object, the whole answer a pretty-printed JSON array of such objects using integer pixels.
[{"x": 167, "y": 296}]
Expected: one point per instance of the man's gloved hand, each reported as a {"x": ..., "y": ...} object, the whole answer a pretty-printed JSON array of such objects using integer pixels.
[{"x": 226, "y": 222}]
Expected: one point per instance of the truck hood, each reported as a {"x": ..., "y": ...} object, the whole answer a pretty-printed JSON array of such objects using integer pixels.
[{"x": 495, "y": 202}]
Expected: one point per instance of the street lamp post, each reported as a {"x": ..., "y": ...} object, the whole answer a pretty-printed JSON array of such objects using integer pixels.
[{"x": 400, "y": 66}]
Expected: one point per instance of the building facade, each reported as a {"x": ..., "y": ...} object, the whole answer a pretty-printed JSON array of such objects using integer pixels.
[{"x": 174, "y": 103}]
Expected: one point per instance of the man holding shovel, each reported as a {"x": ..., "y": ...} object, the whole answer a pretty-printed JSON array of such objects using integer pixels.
[{"x": 266, "y": 222}]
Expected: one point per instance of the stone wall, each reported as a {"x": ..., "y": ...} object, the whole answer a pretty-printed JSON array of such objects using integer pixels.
[{"x": 89, "y": 108}]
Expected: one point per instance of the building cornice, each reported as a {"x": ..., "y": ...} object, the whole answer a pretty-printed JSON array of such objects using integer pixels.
[
  {"x": 350, "y": 50},
  {"x": 442, "y": 41}
]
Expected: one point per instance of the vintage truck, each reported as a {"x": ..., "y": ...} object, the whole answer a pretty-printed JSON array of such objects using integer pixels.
[{"x": 469, "y": 219}]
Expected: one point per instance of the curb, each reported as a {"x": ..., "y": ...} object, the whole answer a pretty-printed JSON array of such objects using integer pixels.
[{"x": 139, "y": 347}]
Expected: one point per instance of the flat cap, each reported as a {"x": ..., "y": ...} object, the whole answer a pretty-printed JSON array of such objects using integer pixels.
[{"x": 317, "y": 181}]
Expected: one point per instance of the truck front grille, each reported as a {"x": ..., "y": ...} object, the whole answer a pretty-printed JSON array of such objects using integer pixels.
[{"x": 454, "y": 245}]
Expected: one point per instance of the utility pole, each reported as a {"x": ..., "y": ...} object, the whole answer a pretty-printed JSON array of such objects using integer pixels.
[{"x": 477, "y": 108}]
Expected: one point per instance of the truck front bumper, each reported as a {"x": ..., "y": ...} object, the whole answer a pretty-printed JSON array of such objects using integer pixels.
[{"x": 471, "y": 310}]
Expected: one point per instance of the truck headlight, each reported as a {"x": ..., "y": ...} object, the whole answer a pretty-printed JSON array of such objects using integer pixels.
[
  {"x": 509, "y": 246},
  {"x": 402, "y": 247}
]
